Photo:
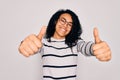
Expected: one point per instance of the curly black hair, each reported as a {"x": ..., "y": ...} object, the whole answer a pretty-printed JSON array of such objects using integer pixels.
[{"x": 75, "y": 33}]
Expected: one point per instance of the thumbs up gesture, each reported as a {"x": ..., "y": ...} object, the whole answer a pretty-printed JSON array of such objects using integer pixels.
[
  {"x": 31, "y": 44},
  {"x": 101, "y": 49}
]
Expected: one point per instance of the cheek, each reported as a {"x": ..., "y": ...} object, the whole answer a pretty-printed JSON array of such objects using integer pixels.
[
  {"x": 68, "y": 30},
  {"x": 57, "y": 26}
]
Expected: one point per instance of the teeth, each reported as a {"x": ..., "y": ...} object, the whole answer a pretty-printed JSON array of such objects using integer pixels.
[{"x": 63, "y": 30}]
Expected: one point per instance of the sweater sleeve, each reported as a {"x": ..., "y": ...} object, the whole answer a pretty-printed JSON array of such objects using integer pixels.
[{"x": 85, "y": 47}]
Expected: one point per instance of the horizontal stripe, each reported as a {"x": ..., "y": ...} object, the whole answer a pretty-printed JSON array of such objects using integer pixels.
[
  {"x": 58, "y": 61},
  {"x": 58, "y": 72},
  {"x": 67, "y": 66},
  {"x": 45, "y": 55},
  {"x": 55, "y": 47},
  {"x": 73, "y": 76},
  {"x": 57, "y": 41}
]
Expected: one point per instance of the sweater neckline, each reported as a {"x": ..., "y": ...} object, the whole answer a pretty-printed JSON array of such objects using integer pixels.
[{"x": 54, "y": 39}]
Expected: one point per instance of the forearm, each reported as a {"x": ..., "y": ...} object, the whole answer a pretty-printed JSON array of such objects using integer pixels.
[{"x": 85, "y": 48}]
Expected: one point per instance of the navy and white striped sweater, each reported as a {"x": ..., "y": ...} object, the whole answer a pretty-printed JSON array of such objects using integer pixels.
[{"x": 59, "y": 62}]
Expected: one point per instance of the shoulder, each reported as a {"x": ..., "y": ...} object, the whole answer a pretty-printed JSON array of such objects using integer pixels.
[{"x": 80, "y": 41}]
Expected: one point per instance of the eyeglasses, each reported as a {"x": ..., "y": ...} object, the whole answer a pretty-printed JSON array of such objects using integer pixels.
[{"x": 63, "y": 21}]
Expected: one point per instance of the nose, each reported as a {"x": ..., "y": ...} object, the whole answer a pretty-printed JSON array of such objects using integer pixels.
[{"x": 66, "y": 24}]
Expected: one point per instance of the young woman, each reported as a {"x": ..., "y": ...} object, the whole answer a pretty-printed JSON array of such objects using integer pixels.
[{"x": 59, "y": 45}]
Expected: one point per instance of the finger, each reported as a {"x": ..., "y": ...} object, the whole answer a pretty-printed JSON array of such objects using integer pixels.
[
  {"x": 28, "y": 49},
  {"x": 106, "y": 54},
  {"x": 33, "y": 47},
  {"x": 100, "y": 45},
  {"x": 96, "y": 35},
  {"x": 42, "y": 33},
  {"x": 26, "y": 46},
  {"x": 33, "y": 39},
  {"x": 23, "y": 52},
  {"x": 104, "y": 59},
  {"x": 99, "y": 51},
  {"x": 97, "y": 46}
]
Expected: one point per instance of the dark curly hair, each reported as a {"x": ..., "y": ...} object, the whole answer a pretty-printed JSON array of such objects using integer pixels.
[{"x": 72, "y": 38}]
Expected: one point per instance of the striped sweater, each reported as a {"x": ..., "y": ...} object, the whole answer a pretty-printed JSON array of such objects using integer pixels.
[{"x": 59, "y": 62}]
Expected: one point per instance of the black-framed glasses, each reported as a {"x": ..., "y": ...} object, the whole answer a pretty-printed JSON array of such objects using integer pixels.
[{"x": 63, "y": 21}]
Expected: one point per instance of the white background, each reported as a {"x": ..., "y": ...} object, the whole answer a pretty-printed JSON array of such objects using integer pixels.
[{"x": 19, "y": 18}]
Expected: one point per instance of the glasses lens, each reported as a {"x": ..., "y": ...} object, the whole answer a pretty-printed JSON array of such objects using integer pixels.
[{"x": 62, "y": 21}]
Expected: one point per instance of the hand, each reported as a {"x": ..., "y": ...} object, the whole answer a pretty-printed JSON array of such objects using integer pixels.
[
  {"x": 101, "y": 49},
  {"x": 31, "y": 44}
]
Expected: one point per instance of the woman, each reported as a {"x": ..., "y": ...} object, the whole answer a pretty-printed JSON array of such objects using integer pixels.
[{"x": 60, "y": 44}]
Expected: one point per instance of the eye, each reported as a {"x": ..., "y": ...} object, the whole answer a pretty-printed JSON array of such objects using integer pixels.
[
  {"x": 70, "y": 24},
  {"x": 62, "y": 21}
]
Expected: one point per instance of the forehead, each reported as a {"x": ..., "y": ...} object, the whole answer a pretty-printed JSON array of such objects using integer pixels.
[{"x": 67, "y": 16}]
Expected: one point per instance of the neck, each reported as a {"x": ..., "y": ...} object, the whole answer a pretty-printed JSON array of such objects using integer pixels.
[{"x": 58, "y": 37}]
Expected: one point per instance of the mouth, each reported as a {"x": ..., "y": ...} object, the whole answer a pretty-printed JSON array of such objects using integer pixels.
[{"x": 63, "y": 30}]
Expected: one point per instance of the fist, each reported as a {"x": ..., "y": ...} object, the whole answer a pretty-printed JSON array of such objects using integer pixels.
[
  {"x": 31, "y": 44},
  {"x": 101, "y": 49}
]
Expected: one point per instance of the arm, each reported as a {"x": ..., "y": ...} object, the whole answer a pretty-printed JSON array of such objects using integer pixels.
[
  {"x": 85, "y": 47},
  {"x": 99, "y": 49}
]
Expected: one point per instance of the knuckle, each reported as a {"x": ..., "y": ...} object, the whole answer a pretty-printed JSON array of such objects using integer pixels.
[
  {"x": 36, "y": 49},
  {"x": 26, "y": 55},
  {"x": 32, "y": 36},
  {"x": 104, "y": 43},
  {"x": 40, "y": 46}
]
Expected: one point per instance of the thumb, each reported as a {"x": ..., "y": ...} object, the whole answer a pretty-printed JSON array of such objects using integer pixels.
[
  {"x": 42, "y": 32},
  {"x": 96, "y": 35}
]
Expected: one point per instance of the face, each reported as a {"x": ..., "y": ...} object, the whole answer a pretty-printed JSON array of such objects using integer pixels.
[{"x": 63, "y": 26}]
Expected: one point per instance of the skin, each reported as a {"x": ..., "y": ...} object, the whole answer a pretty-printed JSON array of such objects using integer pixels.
[
  {"x": 62, "y": 30},
  {"x": 33, "y": 43},
  {"x": 101, "y": 49}
]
